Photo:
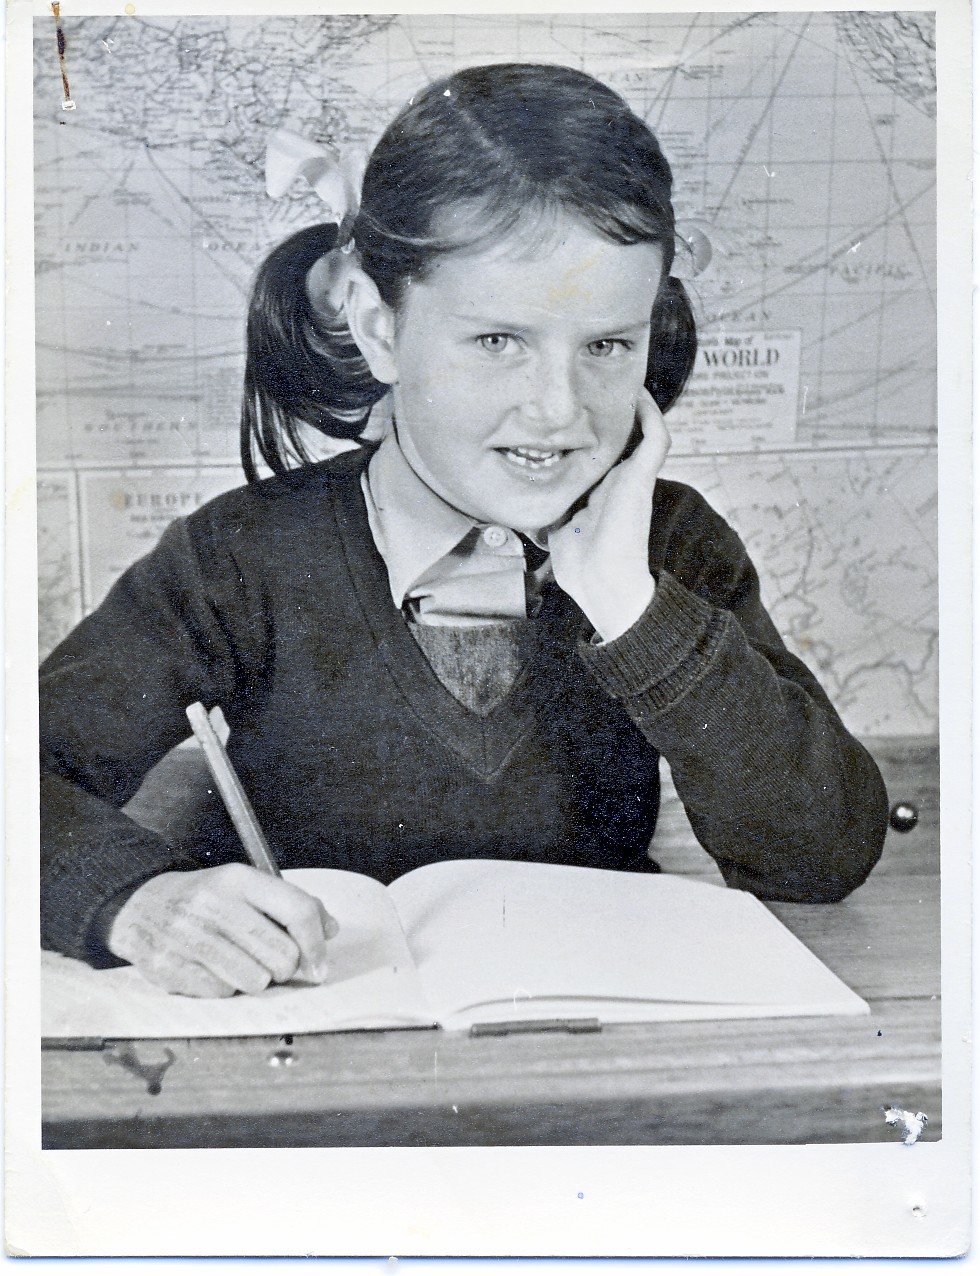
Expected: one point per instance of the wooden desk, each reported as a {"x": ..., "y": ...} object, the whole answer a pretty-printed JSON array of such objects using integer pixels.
[{"x": 766, "y": 1081}]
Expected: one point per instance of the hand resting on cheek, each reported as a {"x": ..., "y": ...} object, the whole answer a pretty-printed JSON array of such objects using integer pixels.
[
  {"x": 218, "y": 931},
  {"x": 599, "y": 555}
]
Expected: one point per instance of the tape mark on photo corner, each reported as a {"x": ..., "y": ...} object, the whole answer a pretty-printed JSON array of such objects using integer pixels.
[{"x": 67, "y": 103}]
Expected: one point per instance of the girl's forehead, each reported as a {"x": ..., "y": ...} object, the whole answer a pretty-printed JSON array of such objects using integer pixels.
[
  {"x": 574, "y": 285},
  {"x": 534, "y": 233},
  {"x": 565, "y": 262}
]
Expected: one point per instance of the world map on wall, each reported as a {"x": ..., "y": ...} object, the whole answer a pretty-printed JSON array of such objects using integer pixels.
[
  {"x": 803, "y": 148},
  {"x": 846, "y": 556}
]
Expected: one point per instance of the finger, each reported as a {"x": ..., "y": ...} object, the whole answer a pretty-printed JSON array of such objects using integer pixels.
[
  {"x": 174, "y": 973},
  {"x": 260, "y": 937},
  {"x": 193, "y": 980},
  {"x": 304, "y": 917},
  {"x": 331, "y": 926},
  {"x": 228, "y": 961},
  {"x": 655, "y": 444}
]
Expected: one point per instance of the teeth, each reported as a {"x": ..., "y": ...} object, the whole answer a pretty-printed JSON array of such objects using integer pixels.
[{"x": 532, "y": 458}]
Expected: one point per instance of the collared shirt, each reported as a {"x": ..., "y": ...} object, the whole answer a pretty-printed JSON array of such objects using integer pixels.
[{"x": 443, "y": 566}]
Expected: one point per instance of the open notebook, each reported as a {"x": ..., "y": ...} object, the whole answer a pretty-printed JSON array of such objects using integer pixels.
[{"x": 489, "y": 941}]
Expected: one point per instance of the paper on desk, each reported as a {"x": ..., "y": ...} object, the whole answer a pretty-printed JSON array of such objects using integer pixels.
[
  {"x": 622, "y": 947},
  {"x": 372, "y": 983}
]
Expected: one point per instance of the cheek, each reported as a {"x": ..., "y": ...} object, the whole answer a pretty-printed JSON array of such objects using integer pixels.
[
  {"x": 445, "y": 384},
  {"x": 612, "y": 399}
]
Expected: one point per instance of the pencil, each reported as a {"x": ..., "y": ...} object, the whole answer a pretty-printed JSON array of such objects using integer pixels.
[{"x": 232, "y": 794}]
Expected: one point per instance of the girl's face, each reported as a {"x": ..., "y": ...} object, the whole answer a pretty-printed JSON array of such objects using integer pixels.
[{"x": 518, "y": 371}]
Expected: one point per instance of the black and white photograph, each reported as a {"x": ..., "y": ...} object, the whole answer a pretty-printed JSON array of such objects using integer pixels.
[{"x": 489, "y": 511}]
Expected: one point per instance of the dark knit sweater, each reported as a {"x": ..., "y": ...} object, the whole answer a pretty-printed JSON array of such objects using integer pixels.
[{"x": 274, "y": 602}]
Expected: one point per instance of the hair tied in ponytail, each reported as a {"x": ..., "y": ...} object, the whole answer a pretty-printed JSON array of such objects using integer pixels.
[{"x": 335, "y": 174}]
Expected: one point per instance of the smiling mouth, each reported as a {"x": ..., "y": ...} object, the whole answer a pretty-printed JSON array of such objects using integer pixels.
[{"x": 532, "y": 458}]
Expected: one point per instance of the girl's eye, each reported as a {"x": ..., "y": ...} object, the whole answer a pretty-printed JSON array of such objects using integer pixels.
[
  {"x": 607, "y": 346},
  {"x": 495, "y": 342}
]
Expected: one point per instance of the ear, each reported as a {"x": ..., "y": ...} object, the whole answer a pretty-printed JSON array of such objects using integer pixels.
[{"x": 372, "y": 324}]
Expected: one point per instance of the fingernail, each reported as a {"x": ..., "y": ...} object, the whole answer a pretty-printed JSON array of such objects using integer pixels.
[
  {"x": 327, "y": 923},
  {"x": 321, "y": 969}
]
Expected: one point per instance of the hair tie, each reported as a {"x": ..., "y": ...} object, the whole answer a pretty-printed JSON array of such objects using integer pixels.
[
  {"x": 334, "y": 173},
  {"x": 336, "y": 176},
  {"x": 694, "y": 251}
]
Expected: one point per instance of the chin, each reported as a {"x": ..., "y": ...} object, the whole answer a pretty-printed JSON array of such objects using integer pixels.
[{"x": 531, "y": 521}]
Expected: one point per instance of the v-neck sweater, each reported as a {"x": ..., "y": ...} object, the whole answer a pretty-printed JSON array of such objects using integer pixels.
[{"x": 273, "y": 602}]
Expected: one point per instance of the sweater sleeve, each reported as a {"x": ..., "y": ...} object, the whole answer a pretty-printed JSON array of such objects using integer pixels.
[
  {"x": 785, "y": 800},
  {"x": 112, "y": 699}
]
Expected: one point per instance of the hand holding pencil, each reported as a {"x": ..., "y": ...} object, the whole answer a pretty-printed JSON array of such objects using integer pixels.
[{"x": 234, "y": 928}]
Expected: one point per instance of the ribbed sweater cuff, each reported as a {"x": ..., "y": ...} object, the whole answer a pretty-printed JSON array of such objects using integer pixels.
[
  {"x": 664, "y": 653},
  {"x": 73, "y": 899}
]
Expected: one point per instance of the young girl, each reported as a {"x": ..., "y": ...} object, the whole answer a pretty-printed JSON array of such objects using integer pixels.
[{"x": 477, "y": 638}]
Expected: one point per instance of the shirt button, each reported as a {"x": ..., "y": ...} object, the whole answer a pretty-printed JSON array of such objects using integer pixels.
[{"x": 496, "y": 537}]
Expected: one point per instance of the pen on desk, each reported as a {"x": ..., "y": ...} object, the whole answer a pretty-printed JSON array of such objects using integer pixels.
[{"x": 232, "y": 794}]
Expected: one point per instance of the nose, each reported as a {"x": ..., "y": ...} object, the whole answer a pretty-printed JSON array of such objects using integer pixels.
[{"x": 556, "y": 399}]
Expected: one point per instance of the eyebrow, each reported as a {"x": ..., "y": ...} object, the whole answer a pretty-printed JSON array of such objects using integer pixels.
[{"x": 498, "y": 324}]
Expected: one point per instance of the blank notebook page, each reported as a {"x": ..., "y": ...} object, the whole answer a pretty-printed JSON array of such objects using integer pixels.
[{"x": 493, "y": 932}]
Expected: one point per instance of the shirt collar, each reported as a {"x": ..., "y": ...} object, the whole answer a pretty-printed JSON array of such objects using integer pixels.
[{"x": 412, "y": 527}]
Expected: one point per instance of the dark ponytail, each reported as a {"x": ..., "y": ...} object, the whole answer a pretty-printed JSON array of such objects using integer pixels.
[
  {"x": 298, "y": 367},
  {"x": 673, "y": 344}
]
